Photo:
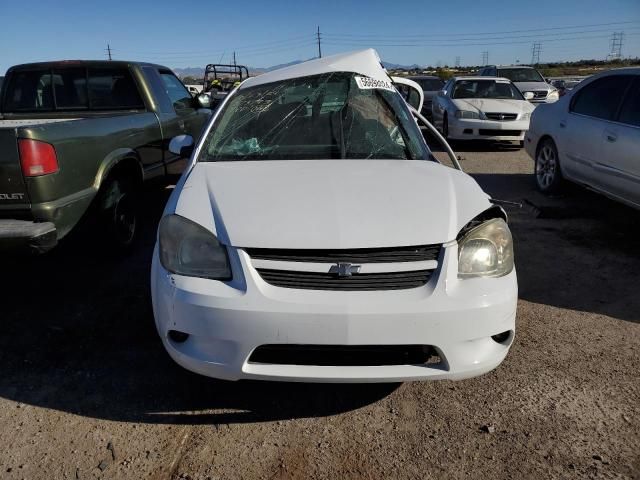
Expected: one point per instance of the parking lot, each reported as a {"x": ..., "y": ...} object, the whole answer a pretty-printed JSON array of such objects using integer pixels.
[{"x": 87, "y": 390}]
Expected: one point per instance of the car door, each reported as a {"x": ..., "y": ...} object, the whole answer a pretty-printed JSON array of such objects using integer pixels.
[
  {"x": 619, "y": 163},
  {"x": 176, "y": 112},
  {"x": 439, "y": 103},
  {"x": 580, "y": 131},
  {"x": 411, "y": 91}
]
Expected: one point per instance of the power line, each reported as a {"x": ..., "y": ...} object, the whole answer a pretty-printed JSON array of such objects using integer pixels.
[
  {"x": 423, "y": 44},
  {"x": 439, "y": 35},
  {"x": 260, "y": 46}
]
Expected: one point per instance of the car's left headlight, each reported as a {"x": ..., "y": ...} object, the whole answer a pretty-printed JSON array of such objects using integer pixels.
[
  {"x": 468, "y": 114},
  {"x": 553, "y": 95},
  {"x": 189, "y": 249},
  {"x": 486, "y": 250}
]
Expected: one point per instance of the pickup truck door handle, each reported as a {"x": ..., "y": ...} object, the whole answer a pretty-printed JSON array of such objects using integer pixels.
[
  {"x": 611, "y": 136},
  {"x": 562, "y": 124}
]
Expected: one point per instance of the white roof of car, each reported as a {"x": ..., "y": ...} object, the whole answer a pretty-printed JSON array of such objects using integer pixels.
[
  {"x": 482, "y": 78},
  {"x": 364, "y": 62}
]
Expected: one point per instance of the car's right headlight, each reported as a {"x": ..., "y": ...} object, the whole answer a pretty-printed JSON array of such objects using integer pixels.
[
  {"x": 486, "y": 250},
  {"x": 187, "y": 248}
]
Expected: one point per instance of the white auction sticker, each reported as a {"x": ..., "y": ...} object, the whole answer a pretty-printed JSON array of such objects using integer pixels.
[{"x": 368, "y": 83}]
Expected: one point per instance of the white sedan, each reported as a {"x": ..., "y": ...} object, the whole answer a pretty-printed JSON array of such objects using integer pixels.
[
  {"x": 487, "y": 108},
  {"x": 591, "y": 136},
  {"x": 315, "y": 238}
]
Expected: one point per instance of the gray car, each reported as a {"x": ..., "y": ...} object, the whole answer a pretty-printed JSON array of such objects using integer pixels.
[
  {"x": 527, "y": 79},
  {"x": 431, "y": 85},
  {"x": 591, "y": 137}
]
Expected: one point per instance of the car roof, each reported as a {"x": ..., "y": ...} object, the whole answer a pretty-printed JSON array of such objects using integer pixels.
[
  {"x": 478, "y": 77},
  {"x": 506, "y": 67},
  {"x": 82, "y": 63},
  {"x": 364, "y": 62}
]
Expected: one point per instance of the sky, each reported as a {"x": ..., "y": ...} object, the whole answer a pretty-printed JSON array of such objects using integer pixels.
[{"x": 270, "y": 32}]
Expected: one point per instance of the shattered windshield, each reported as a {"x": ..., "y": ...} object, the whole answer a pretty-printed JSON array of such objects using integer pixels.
[{"x": 328, "y": 116}]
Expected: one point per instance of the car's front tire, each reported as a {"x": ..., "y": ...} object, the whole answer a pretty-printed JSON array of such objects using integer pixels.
[{"x": 547, "y": 167}]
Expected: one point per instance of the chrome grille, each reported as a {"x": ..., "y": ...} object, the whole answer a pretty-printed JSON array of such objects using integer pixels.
[
  {"x": 540, "y": 94},
  {"x": 357, "y": 281},
  {"x": 501, "y": 116}
]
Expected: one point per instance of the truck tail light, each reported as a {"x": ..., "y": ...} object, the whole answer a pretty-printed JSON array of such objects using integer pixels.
[{"x": 37, "y": 158}]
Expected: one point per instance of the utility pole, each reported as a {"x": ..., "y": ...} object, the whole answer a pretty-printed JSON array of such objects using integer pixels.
[
  {"x": 109, "y": 51},
  {"x": 457, "y": 62},
  {"x": 485, "y": 57},
  {"x": 319, "y": 48},
  {"x": 234, "y": 58},
  {"x": 616, "y": 46},
  {"x": 535, "y": 53}
]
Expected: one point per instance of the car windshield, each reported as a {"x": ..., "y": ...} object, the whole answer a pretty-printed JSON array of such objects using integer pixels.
[
  {"x": 329, "y": 116},
  {"x": 486, "y": 89},
  {"x": 520, "y": 74},
  {"x": 429, "y": 84}
]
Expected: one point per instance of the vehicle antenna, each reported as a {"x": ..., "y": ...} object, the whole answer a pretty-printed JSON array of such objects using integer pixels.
[{"x": 319, "y": 48}]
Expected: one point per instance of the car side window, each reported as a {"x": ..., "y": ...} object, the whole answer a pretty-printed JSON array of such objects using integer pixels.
[
  {"x": 179, "y": 95},
  {"x": 601, "y": 98},
  {"x": 630, "y": 111},
  {"x": 113, "y": 88}
]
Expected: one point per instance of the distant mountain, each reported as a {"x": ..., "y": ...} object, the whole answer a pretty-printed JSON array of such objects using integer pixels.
[
  {"x": 396, "y": 66},
  {"x": 189, "y": 72},
  {"x": 198, "y": 72}
]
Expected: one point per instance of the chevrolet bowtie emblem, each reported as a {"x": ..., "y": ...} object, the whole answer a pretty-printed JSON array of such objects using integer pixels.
[{"x": 344, "y": 269}]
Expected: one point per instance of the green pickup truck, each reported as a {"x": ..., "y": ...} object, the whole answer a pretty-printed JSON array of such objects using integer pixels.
[{"x": 78, "y": 138}]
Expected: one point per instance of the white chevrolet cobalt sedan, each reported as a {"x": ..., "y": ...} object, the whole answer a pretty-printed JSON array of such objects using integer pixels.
[
  {"x": 482, "y": 108},
  {"x": 314, "y": 238}
]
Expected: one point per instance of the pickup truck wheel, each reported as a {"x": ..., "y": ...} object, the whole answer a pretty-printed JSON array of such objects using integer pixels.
[
  {"x": 119, "y": 205},
  {"x": 548, "y": 175}
]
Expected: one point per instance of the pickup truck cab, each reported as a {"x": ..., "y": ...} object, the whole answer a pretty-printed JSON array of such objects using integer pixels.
[{"x": 79, "y": 138}]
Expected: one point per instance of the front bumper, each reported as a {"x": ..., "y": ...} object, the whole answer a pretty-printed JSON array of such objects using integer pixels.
[
  {"x": 35, "y": 237},
  {"x": 467, "y": 129},
  {"x": 227, "y": 321}
]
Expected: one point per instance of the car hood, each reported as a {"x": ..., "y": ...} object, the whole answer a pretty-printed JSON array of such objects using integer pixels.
[
  {"x": 494, "y": 105},
  {"x": 533, "y": 86},
  {"x": 329, "y": 204}
]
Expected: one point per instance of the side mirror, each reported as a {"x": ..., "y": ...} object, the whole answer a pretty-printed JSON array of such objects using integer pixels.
[
  {"x": 528, "y": 95},
  {"x": 182, "y": 145},
  {"x": 203, "y": 101}
]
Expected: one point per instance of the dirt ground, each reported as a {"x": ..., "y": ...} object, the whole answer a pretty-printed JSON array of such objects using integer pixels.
[{"x": 87, "y": 391}]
